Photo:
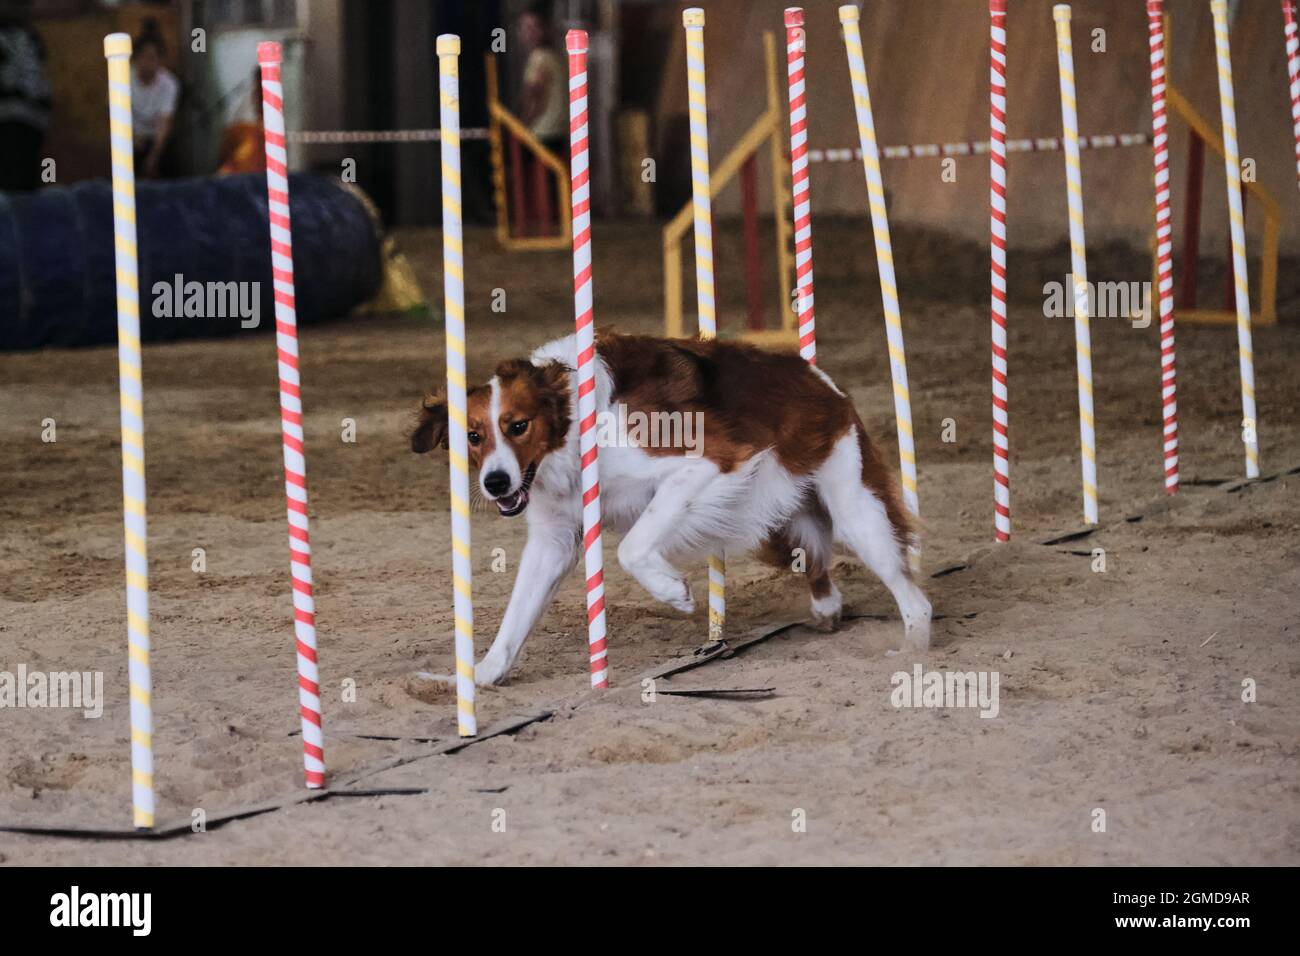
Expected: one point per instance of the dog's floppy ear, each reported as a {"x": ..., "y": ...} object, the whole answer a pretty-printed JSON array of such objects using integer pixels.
[
  {"x": 511, "y": 369},
  {"x": 432, "y": 427},
  {"x": 554, "y": 377}
]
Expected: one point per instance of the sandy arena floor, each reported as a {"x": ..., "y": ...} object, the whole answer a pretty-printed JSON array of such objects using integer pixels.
[{"x": 1119, "y": 690}]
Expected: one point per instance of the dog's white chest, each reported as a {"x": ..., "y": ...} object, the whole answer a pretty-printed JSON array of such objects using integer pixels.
[{"x": 628, "y": 480}]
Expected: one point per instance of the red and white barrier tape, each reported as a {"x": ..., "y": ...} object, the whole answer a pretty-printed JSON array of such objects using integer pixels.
[
  {"x": 337, "y": 136},
  {"x": 1043, "y": 144}
]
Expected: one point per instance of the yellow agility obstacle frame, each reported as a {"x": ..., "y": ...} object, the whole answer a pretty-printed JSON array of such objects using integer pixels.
[
  {"x": 768, "y": 128},
  {"x": 1179, "y": 106},
  {"x": 498, "y": 118}
]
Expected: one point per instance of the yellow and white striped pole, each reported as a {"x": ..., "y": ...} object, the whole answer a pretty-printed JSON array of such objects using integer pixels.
[
  {"x": 453, "y": 268},
  {"x": 693, "y": 21},
  {"x": 717, "y": 596},
  {"x": 117, "y": 50},
  {"x": 884, "y": 261},
  {"x": 1237, "y": 224},
  {"x": 1078, "y": 261}
]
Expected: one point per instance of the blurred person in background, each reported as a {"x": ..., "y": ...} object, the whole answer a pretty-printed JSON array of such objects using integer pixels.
[
  {"x": 24, "y": 97},
  {"x": 154, "y": 93},
  {"x": 545, "y": 108},
  {"x": 242, "y": 148}
]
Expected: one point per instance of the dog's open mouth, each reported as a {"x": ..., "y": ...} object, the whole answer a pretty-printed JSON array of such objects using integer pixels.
[{"x": 515, "y": 502}]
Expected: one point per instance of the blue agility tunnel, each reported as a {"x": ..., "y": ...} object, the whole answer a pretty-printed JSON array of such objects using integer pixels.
[{"x": 57, "y": 279}]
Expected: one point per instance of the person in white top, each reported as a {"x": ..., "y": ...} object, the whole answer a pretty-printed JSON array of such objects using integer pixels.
[
  {"x": 154, "y": 92},
  {"x": 545, "y": 111},
  {"x": 545, "y": 106}
]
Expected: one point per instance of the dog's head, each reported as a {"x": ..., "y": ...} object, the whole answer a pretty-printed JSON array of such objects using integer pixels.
[{"x": 515, "y": 421}]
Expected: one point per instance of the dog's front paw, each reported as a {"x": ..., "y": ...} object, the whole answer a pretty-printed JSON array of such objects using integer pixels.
[
  {"x": 685, "y": 602},
  {"x": 489, "y": 672},
  {"x": 916, "y": 635},
  {"x": 916, "y": 621}
]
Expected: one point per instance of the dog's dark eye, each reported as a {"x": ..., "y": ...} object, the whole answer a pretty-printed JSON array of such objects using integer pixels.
[
  {"x": 518, "y": 428},
  {"x": 475, "y": 438}
]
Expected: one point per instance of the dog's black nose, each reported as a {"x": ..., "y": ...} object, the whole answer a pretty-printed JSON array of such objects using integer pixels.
[{"x": 496, "y": 483}]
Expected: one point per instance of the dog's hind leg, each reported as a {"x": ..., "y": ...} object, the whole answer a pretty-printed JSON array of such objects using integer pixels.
[
  {"x": 827, "y": 602},
  {"x": 868, "y": 517},
  {"x": 810, "y": 531}
]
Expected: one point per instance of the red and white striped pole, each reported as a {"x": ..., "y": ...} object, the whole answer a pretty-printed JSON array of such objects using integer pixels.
[
  {"x": 998, "y": 246},
  {"x": 575, "y": 42},
  {"x": 1164, "y": 242},
  {"x": 801, "y": 198},
  {"x": 1293, "y": 70},
  {"x": 295, "y": 466}
]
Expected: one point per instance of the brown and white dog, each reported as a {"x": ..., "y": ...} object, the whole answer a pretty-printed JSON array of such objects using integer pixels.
[{"x": 782, "y": 462}]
